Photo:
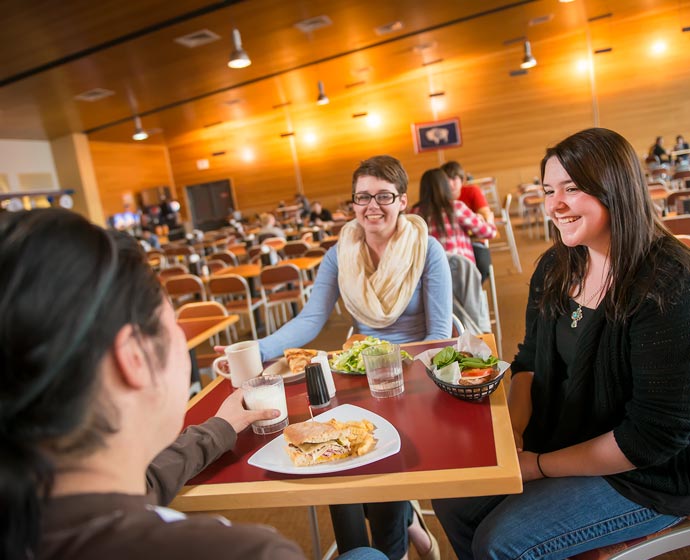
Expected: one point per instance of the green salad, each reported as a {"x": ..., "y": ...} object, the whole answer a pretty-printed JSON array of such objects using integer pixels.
[{"x": 351, "y": 361}]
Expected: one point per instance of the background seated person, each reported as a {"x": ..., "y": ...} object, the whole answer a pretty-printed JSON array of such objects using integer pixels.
[
  {"x": 269, "y": 227},
  {"x": 659, "y": 151},
  {"x": 473, "y": 197},
  {"x": 319, "y": 214},
  {"x": 681, "y": 144}
]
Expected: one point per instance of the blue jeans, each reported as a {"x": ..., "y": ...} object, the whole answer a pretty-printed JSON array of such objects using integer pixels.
[
  {"x": 554, "y": 518},
  {"x": 363, "y": 553}
]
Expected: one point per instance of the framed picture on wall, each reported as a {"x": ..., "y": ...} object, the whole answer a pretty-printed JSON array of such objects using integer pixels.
[{"x": 436, "y": 135}]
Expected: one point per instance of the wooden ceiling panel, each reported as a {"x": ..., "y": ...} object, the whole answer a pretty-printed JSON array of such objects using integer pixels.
[{"x": 180, "y": 90}]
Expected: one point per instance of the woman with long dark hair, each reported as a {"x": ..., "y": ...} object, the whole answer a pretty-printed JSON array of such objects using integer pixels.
[
  {"x": 94, "y": 381},
  {"x": 450, "y": 221},
  {"x": 600, "y": 393}
]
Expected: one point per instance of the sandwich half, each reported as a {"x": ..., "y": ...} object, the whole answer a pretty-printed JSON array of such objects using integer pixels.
[{"x": 311, "y": 443}]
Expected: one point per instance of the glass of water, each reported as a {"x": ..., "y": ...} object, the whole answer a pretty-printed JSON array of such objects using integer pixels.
[{"x": 383, "y": 365}]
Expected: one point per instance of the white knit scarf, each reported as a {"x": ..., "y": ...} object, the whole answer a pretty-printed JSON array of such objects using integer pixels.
[{"x": 377, "y": 296}]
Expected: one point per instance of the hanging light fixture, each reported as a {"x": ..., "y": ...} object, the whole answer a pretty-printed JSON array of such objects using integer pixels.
[
  {"x": 238, "y": 57},
  {"x": 139, "y": 132},
  {"x": 322, "y": 99},
  {"x": 528, "y": 61}
]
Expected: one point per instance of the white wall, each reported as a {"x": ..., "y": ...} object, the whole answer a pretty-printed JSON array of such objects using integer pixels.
[{"x": 27, "y": 165}]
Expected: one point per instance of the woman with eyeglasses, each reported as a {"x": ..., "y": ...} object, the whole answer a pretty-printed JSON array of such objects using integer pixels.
[{"x": 395, "y": 281}]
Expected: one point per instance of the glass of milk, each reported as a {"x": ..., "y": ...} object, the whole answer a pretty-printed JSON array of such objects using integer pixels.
[{"x": 266, "y": 391}]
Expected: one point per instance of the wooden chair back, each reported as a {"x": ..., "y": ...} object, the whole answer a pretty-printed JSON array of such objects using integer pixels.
[
  {"x": 295, "y": 249},
  {"x": 200, "y": 309},
  {"x": 184, "y": 286},
  {"x": 174, "y": 270}
]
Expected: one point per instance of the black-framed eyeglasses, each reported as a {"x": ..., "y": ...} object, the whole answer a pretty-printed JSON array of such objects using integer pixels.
[{"x": 382, "y": 198}]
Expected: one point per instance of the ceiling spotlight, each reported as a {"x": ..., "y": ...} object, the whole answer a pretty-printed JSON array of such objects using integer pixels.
[
  {"x": 139, "y": 132},
  {"x": 528, "y": 61},
  {"x": 322, "y": 99},
  {"x": 238, "y": 57}
]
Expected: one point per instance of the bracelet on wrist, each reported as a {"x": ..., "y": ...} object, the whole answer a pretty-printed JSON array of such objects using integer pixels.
[{"x": 543, "y": 474}]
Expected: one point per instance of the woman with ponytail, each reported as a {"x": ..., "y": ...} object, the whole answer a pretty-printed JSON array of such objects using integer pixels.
[{"x": 94, "y": 379}]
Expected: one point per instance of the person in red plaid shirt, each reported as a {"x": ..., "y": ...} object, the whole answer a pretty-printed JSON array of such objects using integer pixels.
[{"x": 450, "y": 221}]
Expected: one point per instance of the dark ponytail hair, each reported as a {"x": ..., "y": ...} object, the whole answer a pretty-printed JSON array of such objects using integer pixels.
[
  {"x": 66, "y": 288},
  {"x": 435, "y": 200}
]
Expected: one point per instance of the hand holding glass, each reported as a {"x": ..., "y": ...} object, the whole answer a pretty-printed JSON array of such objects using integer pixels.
[{"x": 264, "y": 392}]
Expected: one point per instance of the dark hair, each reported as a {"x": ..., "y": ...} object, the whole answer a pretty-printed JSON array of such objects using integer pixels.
[
  {"x": 453, "y": 169},
  {"x": 66, "y": 288},
  {"x": 435, "y": 200},
  {"x": 604, "y": 165},
  {"x": 386, "y": 168},
  {"x": 658, "y": 139}
]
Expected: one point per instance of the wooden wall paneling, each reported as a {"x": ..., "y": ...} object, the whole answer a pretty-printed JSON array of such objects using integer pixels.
[
  {"x": 647, "y": 96},
  {"x": 125, "y": 169}
]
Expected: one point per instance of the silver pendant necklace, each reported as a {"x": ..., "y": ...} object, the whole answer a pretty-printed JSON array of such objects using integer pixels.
[{"x": 576, "y": 315}]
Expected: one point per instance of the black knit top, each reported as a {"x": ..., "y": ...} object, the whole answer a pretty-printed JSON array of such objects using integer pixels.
[{"x": 632, "y": 378}]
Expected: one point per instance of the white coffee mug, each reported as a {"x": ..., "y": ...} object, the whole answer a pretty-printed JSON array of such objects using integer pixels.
[{"x": 243, "y": 362}]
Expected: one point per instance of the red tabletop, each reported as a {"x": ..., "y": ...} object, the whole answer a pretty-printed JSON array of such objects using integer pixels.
[
  {"x": 449, "y": 447},
  {"x": 437, "y": 431}
]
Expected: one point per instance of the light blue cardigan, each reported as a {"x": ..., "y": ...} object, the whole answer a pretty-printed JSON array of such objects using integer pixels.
[{"x": 427, "y": 316}]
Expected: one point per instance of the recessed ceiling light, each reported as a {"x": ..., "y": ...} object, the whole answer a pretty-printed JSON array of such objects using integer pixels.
[
  {"x": 95, "y": 94},
  {"x": 314, "y": 23},
  {"x": 540, "y": 19},
  {"x": 515, "y": 40},
  {"x": 388, "y": 28},
  {"x": 424, "y": 47},
  {"x": 197, "y": 38}
]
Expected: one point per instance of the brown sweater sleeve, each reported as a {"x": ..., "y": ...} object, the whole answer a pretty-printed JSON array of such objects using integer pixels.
[{"x": 193, "y": 450}]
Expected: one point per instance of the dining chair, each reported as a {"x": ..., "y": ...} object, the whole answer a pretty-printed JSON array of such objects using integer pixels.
[
  {"x": 178, "y": 253},
  {"x": 507, "y": 242},
  {"x": 328, "y": 243},
  {"x": 234, "y": 293},
  {"x": 156, "y": 259},
  {"x": 214, "y": 265},
  {"x": 681, "y": 179},
  {"x": 184, "y": 288},
  {"x": 174, "y": 270},
  {"x": 672, "y": 200},
  {"x": 226, "y": 256},
  {"x": 315, "y": 252},
  {"x": 295, "y": 249},
  {"x": 200, "y": 309},
  {"x": 458, "y": 327},
  {"x": 336, "y": 227},
  {"x": 281, "y": 285},
  {"x": 651, "y": 546}
]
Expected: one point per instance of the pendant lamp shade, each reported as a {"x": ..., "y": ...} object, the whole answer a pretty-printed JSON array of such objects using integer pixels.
[
  {"x": 322, "y": 99},
  {"x": 528, "y": 61},
  {"x": 139, "y": 132},
  {"x": 238, "y": 57}
]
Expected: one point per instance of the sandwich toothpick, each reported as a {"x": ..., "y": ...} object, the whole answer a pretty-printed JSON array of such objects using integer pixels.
[{"x": 311, "y": 413}]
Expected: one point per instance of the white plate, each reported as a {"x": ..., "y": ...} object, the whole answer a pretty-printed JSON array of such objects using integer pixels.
[
  {"x": 274, "y": 457},
  {"x": 280, "y": 367}
]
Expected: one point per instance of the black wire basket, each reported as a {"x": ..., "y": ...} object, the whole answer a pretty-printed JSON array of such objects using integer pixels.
[{"x": 467, "y": 392}]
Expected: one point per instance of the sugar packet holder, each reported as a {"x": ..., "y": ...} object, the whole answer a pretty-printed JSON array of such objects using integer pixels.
[{"x": 465, "y": 343}]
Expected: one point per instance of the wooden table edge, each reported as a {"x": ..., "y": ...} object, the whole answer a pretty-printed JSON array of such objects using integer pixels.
[{"x": 201, "y": 337}]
